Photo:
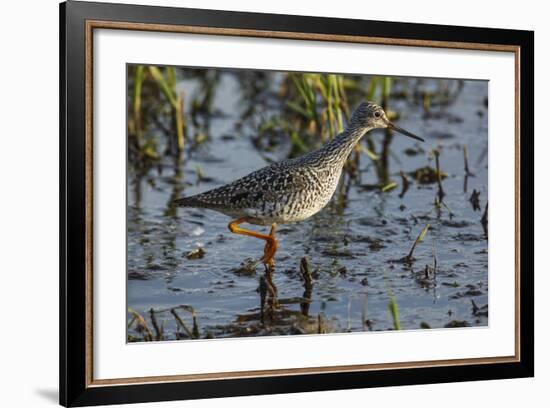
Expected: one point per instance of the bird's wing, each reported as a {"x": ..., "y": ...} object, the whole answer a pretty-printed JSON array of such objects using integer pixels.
[{"x": 266, "y": 183}]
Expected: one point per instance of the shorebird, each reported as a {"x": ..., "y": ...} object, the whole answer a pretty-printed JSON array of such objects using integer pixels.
[{"x": 294, "y": 189}]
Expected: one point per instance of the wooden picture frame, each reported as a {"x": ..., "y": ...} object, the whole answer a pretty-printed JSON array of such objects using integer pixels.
[{"x": 78, "y": 20}]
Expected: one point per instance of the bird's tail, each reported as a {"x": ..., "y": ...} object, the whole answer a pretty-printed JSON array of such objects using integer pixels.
[{"x": 192, "y": 201}]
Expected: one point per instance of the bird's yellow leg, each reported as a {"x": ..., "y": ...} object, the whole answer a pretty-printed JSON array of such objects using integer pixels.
[
  {"x": 271, "y": 247},
  {"x": 270, "y": 241}
]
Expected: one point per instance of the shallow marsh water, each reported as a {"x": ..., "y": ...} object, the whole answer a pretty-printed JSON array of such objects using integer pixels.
[{"x": 354, "y": 251}]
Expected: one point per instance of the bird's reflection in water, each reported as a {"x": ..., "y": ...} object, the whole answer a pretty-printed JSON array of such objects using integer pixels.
[{"x": 279, "y": 315}]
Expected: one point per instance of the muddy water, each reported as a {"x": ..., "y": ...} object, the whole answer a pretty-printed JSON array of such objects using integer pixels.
[{"x": 354, "y": 251}]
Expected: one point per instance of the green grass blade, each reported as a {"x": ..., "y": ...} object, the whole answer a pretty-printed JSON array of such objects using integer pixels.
[
  {"x": 136, "y": 103},
  {"x": 164, "y": 86}
]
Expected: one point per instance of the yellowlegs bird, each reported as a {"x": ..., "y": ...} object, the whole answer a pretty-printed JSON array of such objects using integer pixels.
[{"x": 294, "y": 189}]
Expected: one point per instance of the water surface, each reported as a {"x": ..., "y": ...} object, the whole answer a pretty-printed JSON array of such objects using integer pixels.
[{"x": 354, "y": 251}]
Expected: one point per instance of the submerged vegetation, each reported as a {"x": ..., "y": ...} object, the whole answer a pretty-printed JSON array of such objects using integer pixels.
[{"x": 193, "y": 129}]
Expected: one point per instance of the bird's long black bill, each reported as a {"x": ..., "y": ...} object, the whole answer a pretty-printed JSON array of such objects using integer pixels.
[{"x": 403, "y": 131}]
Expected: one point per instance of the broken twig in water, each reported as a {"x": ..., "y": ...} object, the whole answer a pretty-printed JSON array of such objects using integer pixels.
[
  {"x": 474, "y": 200},
  {"x": 141, "y": 326},
  {"x": 263, "y": 296},
  {"x": 306, "y": 273},
  {"x": 440, "y": 192},
  {"x": 405, "y": 186},
  {"x": 308, "y": 286},
  {"x": 418, "y": 239},
  {"x": 466, "y": 166},
  {"x": 181, "y": 323},
  {"x": 485, "y": 220},
  {"x": 158, "y": 332}
]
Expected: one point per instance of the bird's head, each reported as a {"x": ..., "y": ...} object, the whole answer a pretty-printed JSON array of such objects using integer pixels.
[{"x": 369, "y": 115}]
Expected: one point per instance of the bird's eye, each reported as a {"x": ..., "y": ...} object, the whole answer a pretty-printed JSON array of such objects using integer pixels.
[{"x": 377, "y": 114}]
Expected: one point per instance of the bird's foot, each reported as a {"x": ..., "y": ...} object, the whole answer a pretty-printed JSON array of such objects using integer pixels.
[{"x": 269, "y": 252}]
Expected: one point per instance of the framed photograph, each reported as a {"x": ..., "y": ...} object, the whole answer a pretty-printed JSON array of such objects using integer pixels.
[{"x": 256, "y": 204}]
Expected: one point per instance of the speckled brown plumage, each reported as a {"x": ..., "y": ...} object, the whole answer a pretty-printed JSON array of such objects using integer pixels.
[{"x": 295, "y": 189}]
